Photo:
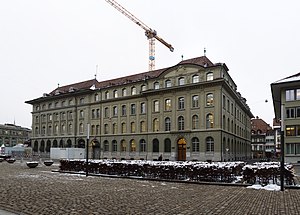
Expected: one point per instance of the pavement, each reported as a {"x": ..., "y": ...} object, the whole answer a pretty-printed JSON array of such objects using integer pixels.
[{"x": 39, "y": 191}]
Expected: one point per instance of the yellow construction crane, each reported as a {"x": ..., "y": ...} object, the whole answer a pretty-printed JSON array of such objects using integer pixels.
[{"x": 149, "y": 32}]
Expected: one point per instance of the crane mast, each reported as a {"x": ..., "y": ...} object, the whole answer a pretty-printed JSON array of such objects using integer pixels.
[{"x": 149, "y": 32}]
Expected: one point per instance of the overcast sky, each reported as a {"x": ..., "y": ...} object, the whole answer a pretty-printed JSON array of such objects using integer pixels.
[{"x": 50, "y": 42}]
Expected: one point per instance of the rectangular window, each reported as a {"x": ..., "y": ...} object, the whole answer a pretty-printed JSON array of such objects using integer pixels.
[
  {"x": 167, "y": 104},
  {"x": 195, "y": 101},
  {"x": 298, "y": 94},
  {"x": 290, "y": 131},
  {"x": 290, "y": 95},
  {"x": 123, "y": 110},
  {"x": 297, "y": 111},
  {"x": 156, "y": 106},
  {"x": 115, "y": 111},
  {"x": 181, "y": 103},
  {"x": 290, "y": 112},
  {"x": 132, "y": 109},
  {"x": 143, "y": 108}
]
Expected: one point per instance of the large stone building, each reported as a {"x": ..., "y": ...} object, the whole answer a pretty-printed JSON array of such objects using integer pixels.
[
  {"x": 11, "y": 135},
  {"x": 286, "y": 101},
  {"x": 189, "y": 111}
]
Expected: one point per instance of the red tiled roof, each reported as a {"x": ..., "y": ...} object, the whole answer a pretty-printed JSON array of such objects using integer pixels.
[{"x": 201, "y": 61}]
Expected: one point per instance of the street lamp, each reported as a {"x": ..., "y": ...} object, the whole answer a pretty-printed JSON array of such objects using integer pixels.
[
  {"x": 282, "y": 151},
  {"x": 87, "y": 150}
]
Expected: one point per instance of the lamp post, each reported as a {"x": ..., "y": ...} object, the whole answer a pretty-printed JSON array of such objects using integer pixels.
[
  {"x": 87, "y": 150},
  {"x": 282, "y": 151}
]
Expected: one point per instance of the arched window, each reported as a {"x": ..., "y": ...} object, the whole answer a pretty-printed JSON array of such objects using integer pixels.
[
  {"x": 209, "y": 76},
  {"x": 156, "y": 106},
  {"x": 195, "y": 78},
  {"x": 63, "y": 128},
  {"x": 195, "y": 122},
  {"x": 97, "y": 129},
  {"x": 61, "y": 144},
  {"x": 195, "y": 101},
  {"x": 124, "y": 92},
  {"x": 96, "y": 97},
  {"x": 143, "y": 88},
  {"x": 55, "y": 143},
  {"x": 106, "y": 145},
  {"x": 181, "y": 81},
  {"x": 123, "y": 127},
  {"x": 143, "y": 107},
  {"x": 143, "y": 126},
  {"x": 181, "y": 103},
  {"x": 106, "y": 95},
  {"x": 43, "y": 130},
  {"x": 209, "y": 121},
  {"x": 115, "y": 94},
  {"x": 114, "y": 145},
  {"x": 105, "y": 128},
  {"x": 123, "y": 146},
  {"x": 42, "y": 146},
  {"x": 115, "y": 128},
  {"x": 155, "y": 125},
  {"x": 168, "y": 83},
  {"x": 48, "y": 146},
  {"x": 155, "y": 143},
  {"x": 210, "y": 99},
  {"x": 156, "y": 85},
  {"x": 167, "y": 124},
  {"x": 195, "y": 144},
  {"x": 168, "y": 106},
  {"x": 143, "y": 147},
  {"x": 70, "y": 129},
  {"x": 180, "y": 123},
  {"x": 132, "y": 109},
  {"x": 115, "y": 111},
  {"x": 123, "y": 110},
  {"x": 132, "y": 145},
  {"x": 167, "y": 145},
  {"x": 56, "y": 129},
  {"x": 210, "y": 144},
  {"x": 133, "y": 91},
  {"x": 132, "y": 127}
]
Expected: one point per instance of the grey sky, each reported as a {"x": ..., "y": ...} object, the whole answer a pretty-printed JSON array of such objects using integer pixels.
[{"x": 43, "y": 43}]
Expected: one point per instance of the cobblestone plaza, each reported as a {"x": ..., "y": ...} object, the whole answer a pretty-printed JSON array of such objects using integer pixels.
[{"x": 41, "y": 191}]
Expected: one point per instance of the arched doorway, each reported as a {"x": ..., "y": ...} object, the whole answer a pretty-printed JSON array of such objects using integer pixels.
[
  {"x": 181, "y": 145},
  {"x": 95, "y": 149},
  {"x": 81, "y": 143}
]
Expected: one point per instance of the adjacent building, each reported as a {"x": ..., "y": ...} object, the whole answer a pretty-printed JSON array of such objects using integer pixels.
[
  {"x": 189, "y": 111},
  {"x": 286, "y": 101},
  {"x": 11, "y": 135},
  {"x": 262, "y": 139}
]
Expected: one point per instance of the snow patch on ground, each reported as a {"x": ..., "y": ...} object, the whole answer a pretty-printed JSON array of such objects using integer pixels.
[{"x": 270, "y": 187}]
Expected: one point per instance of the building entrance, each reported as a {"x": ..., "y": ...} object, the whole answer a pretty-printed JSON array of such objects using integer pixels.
[{"x": 181, "y": 153}]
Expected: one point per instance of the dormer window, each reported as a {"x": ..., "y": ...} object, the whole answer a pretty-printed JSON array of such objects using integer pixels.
[
  {"x": 181, "y": 81},
  {"x": 133, "y": 91},
  {"x": 209, "y": 76},
  {"x": 168, "y": 83},
  {"x": 106, "y": 95},
  {"x": 156, "y": 85},
  {"x": 71, "y": 89},
  {"x": 195, "y": 78},
  {"x": 143, "y": 88}
]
